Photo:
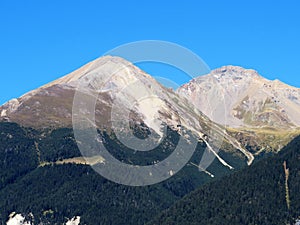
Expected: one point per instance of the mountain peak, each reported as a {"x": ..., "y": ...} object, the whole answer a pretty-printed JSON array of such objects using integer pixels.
[
  {"x": 234, "y": 72},
  {"x": 52, "y": 103},
  {"x": 101, "y": 64},
  {"x": 249, "y": 99},
  {"x": 117, "y": 83}
]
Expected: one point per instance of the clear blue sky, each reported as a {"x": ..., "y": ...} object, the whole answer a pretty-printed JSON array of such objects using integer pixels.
[{"x": 43, "y": 40}]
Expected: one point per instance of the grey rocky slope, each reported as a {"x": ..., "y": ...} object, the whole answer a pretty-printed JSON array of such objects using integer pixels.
[
  {"x": 263, "y": 115},
  {"x": 240, "y": 97}
]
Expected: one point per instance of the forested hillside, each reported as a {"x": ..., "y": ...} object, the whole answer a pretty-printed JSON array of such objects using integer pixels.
[
  {"x": 261, "y": 194},
  {"x": 36, "y": 181}
]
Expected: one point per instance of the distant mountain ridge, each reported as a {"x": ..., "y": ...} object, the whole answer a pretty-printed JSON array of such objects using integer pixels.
[{"x": 239, "y": 97}]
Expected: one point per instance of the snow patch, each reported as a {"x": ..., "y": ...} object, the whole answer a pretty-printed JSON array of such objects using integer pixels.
[
  {"x": 3, "y": 113},
  {"x": 150, "y": 107},
  {"x": 74, "y": 221},
  {"x": 17, "y": 219}
]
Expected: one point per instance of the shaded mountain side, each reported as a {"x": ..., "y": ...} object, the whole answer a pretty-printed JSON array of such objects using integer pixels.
[
  {"x": 49, "y": 179},
  {"x": 17, "y": 153},
  {"x": 70, "y": 189},
  {"x": 54, "y": 193},
  {"x": 255, "y": 195}
]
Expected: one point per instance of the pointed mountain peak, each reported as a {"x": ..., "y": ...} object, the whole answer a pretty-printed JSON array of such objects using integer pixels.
[
  {"x": 52, "y": 103},
  {"x": 103, "y": 65}
]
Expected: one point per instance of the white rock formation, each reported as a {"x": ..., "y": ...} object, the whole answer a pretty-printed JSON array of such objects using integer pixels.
[
  {"x": 17, "y": 219},
  {"x": 74, "y": 221}
]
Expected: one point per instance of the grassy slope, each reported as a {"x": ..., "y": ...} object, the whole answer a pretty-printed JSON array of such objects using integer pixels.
[{"x": 265, "y": 139}]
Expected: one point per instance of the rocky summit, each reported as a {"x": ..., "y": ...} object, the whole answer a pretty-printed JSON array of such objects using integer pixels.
[{"x": 239, "y": 97}]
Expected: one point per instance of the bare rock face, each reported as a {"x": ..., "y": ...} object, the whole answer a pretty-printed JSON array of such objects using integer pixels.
[
  {"x": 117, "y": 83},
  {"x": 10, "y": 107},
  {"x": 240, "y": 97}
]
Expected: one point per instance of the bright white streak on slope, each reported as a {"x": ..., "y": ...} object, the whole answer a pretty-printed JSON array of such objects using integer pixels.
[
  {"x": 218, "y": 157},
  {"x": 238, "y": 146},
  {"x": 203, "y": 170},
  {"x": 149, "y": 107}
]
